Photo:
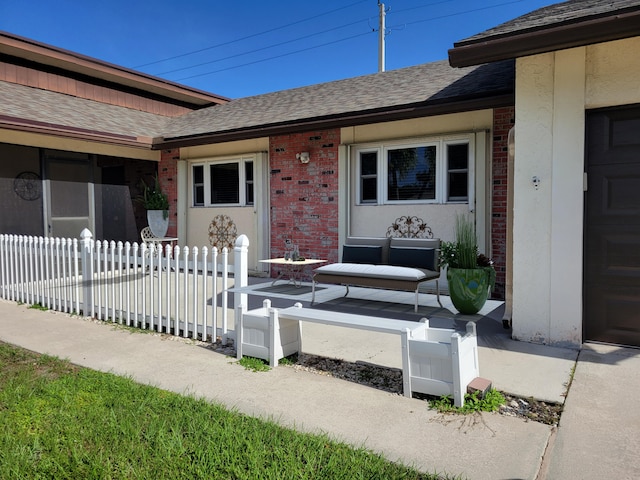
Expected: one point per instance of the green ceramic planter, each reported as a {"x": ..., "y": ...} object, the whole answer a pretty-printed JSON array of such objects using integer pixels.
[{"x": 468, "y": 288}]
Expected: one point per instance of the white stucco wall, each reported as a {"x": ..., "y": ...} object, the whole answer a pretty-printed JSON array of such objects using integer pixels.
[
  {"x": 552, "y": 93},
  {"x": 613, "y": 73},
  {"x": 440, "y": 125}
]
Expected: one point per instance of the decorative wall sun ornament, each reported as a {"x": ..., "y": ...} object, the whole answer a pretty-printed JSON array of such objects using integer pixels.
[
  {"x": 28, "y": 186},
  {"x": 222, "y": 232}
]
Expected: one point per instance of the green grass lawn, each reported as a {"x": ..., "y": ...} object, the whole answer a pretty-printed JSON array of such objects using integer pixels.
[{"x": 61, "y": 421}]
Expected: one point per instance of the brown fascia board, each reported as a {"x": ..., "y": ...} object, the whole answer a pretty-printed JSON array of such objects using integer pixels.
[
  {"x": 588, "y": 32},
  {"x": 31, "y": 126},
  {"x": 77, "y": 63},
  {"x": 405, "y": 112}
]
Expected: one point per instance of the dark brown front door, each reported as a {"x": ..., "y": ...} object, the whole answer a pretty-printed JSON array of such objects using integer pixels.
[{"x": 612, "y": 227}]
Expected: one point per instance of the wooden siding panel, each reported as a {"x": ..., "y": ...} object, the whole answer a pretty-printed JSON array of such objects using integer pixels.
[
  {"x": 22, "y": 76},
  {"x": 73, "y": 88},
  {"x": 11, "y": 73},
  {"x": 80, "y": 90},
  {"x": 32, "y": 78},
  {"x": 56, "y": 83},
  {"x": 64, "y": 84},
  {"x": 70, "y": 86},
  {"x": 122, "y": 99},
  {"x": 43, "y": 81}
]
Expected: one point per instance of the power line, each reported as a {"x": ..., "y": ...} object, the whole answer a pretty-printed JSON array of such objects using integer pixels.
[
  {"x": 457, "y": 13},
  {"x": 274, "y": 57},
  {"x": 337, "y": 41},
  {"x": 250, "y": 36},
  {"x": 306, "y": 36},
  {"x": 419, "y": 7}
]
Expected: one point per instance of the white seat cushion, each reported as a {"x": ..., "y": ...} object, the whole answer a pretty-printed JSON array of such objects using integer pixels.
[{"x": 373, "y": 271}]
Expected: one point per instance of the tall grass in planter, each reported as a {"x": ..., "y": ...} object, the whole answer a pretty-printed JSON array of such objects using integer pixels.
[
  {"x": 470, "y": 276},
  {"x": 466, "y": 243}
]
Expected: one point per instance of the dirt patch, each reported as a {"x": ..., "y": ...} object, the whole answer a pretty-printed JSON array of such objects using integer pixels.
[
  {"x": 390, "y": 380},
  {"x": 532, "y": 409}
]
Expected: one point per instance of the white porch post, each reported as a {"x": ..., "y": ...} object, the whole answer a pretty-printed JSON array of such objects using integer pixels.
[
  {"x": 240, "y": 275},
  {"x": 86, "y": 256}
]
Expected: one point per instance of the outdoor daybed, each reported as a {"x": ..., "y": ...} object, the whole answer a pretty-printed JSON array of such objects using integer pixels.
[{"x": 387, "y": 263}]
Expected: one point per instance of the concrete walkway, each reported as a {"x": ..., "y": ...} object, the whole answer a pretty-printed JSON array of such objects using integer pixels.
[
  {"x": 599, "y": 421},
  {"x": 599, "y": 432}
]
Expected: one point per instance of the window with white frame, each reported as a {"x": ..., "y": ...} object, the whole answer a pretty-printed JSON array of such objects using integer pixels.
[
  {"x": 248, "y": 182},
  {"x": 457, "y": 160},
  {"x": 223, "y": 182},
  {"x": 368, "y": 176},
  {"x": 434, "y": 170},
  {"x": 198, "y": 185}
]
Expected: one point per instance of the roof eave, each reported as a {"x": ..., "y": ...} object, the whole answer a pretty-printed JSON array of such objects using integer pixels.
[
  {"x": 588, "y": 32},
  {"x": 405, "y": 112},
  {"x": 63, "y": 131}
]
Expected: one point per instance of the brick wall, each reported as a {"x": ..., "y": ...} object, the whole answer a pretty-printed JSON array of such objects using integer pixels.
[
  {"x": 304, "y": 197},
  {"x": 168, "y": 176},
  {"x": 503, "y": 120}
]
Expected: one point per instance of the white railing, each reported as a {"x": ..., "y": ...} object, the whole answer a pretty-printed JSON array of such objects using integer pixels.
[{"x": 180, "y": 291}]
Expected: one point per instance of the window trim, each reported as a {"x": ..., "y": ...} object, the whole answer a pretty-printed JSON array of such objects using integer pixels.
[
  {"x": 195, "y": 185},
  {"x": 441, "y": 142},
  {"x": 469, "y": 169},
  {"x": 241, "y": 161},
  {"x": 378, "y": 152}
]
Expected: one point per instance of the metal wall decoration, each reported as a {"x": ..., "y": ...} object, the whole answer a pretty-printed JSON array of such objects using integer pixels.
[
  {"x": 28, "y": 186},
  {"x": 409, "y": 227},
  {"x": 222, "y": 232}
]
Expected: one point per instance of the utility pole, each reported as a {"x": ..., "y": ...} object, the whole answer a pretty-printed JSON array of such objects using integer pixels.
[{"x": 381, "y": 34}]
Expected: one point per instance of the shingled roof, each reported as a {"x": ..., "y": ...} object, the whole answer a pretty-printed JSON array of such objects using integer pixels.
[
  {"x": 563, "y": 25},
  {"x": 49, "y": 112},
  {"x": 428, "y": 89},
  {"x": 423, "y": 90}
]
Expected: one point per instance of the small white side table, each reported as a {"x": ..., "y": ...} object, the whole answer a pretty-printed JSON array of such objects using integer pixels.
[{"x": 293, "y": 270}]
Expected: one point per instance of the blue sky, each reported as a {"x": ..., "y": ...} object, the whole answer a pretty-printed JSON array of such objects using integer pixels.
[{"x": 243, "y": 48}]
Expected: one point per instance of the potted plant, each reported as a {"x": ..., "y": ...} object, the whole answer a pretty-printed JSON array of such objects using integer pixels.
[
  {"x": 470, "y": 275},
  {"x": 157, "y": 205}
]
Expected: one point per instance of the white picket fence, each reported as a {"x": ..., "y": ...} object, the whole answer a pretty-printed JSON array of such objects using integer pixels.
[{"x": 180, "y": 291}]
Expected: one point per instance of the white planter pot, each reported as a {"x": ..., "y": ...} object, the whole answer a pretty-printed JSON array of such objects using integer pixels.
[{"x": 158, "y": 223}]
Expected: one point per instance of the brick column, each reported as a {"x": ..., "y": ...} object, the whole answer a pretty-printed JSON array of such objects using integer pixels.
[
  {"x": 168, "y": 176},
  {"x": 503, "y": 120},
  {"x": 304, "y": 197}
]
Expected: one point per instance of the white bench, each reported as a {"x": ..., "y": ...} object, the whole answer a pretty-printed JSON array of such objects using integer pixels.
[{"x": 435, "y": 361}]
